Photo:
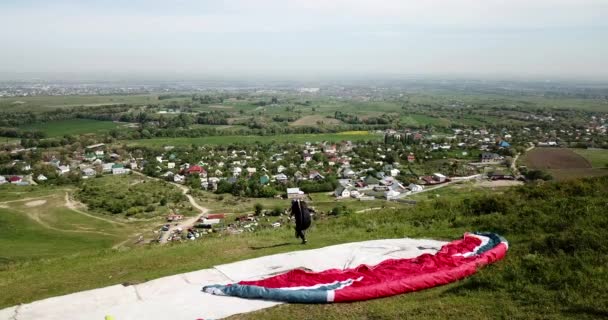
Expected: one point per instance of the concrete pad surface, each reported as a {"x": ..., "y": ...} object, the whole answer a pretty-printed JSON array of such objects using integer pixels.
[{"x": 181, "y": 297}]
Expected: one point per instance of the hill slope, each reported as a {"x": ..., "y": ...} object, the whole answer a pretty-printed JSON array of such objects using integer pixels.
[{"x": 555, "y": 269}]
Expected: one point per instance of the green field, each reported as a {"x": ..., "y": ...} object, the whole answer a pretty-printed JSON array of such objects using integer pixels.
[
  {"x": 597, "y": 157},
  {"x": 41, "y": 226},
  {"x": 221, "y": 140},
  {"x": 72, "y": 127},
  {"x": 49, "y": 102},
  {"x": 555, "y": 268}
]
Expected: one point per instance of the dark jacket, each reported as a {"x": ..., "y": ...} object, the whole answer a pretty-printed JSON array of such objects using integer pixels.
[{"x": 301, "y": 213}]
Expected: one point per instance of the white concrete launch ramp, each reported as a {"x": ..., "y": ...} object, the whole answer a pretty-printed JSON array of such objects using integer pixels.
[{"x": 180, "y": 296}]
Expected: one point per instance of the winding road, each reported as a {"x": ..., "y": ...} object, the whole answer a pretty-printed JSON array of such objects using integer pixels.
[{"x": 183, "y": 224}]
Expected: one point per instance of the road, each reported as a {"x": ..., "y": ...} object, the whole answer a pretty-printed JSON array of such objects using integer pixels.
[
  {"x": 514, "y": 162},
  {"x": 183, "y": 224}
]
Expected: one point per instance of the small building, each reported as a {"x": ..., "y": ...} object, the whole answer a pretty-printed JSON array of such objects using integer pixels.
[
  {"x": 295, "y": 193},
  {"x": 265, "y": 179},
  {"x": 2, "y": 180},
  {"x": 178, "y": 178},
  {"x": 174, "y": 217},
  {"x": 489, "y": 157},
  {"x": 395, "y": 172},
  {"x": 88, "y": 172},
  {"x": 41, "y": 177},
  {"x": 342, "y": 192},
  {"x": 15, "y": 179},
  {"x": 63, "y": 169},
  {"x": 107, "y": 167},
  {"x": 439, "y": 177},
  {"x": 118, "y": 169},
  {"x": 281, "y": 177},
  {"x": 415, "y": 187},
  {"x": 196, "y": 169}
]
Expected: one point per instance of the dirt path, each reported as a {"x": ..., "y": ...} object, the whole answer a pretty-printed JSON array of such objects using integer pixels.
[
  {"x": 74, "y": 207},
  {"x": 184, "y": 224},
  {"x": 36, "y": 217},
  {"x": 28, "y": 199}
]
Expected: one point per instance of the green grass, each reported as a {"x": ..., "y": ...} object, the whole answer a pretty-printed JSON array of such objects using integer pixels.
[
  {"x": 221, "y": 140},
  {"x": 597, "y": 157},
  {"x": 48, "y": 102},
  {"x": 51, "y": 230},
  {"x": 71, "y": 127}
]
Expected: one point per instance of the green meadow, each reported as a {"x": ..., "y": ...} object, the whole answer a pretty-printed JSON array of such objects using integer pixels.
[{"x": 71, "y": 127}]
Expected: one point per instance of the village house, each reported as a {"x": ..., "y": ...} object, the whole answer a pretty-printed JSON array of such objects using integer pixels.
[
  {"x": 63, "y": 169},
  {"x": 15, "y": 179},
  {"x": 415, "y": 187},
  {"x": 2, "y": 180},
  {"x": 342, "y": 192},
  {"x": 107, "y": 167},
  {"x": 281, "y": 177},
  {"x": 88, "y": 172},
  {"x": 487, "y": 157},
  {"x": 41, "y": 177},
  {"x": 295, "y": 193},
  {"x": 119, "y": 169},
  {"x": 178, "y": 178}
]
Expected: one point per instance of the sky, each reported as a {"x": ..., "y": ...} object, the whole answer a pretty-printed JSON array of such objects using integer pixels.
[{"x": 305, "y": 38}]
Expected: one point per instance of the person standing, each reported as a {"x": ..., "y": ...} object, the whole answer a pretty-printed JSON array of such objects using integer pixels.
[{"x": 301, "y": 212}]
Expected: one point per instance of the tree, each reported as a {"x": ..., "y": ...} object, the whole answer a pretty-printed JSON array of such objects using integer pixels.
[{"x": 258, "y": 207}]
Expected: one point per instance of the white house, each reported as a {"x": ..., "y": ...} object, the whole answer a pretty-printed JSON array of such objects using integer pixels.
[
  {"x": 281, "y": 168},
  {"x": 171, "y": 165},
  {"x": 281, "y": 177},
  {"x": 107, "y": 167},
  {"x": 294, "y": 193},
  {"x": 119, "y": 169},
  {"x": 395, "y": 172},
  {"x": 342, "y": 192},
  {"x": 178, "y": 178},
  {"x": 41, "y": 177},
  {"x": 415, "y": 187},
  {"x": 88, "y": 172},
  {"x": 236, "y": 171},
  {"x": 390, "y": 194},
  {"x": 439, "y": 177},
  {"x": 63, "y": 169},
  {"x": 2, "y": 180}
]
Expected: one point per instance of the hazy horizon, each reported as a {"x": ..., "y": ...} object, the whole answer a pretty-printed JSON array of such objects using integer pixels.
[{"x": 188, "y": 39}]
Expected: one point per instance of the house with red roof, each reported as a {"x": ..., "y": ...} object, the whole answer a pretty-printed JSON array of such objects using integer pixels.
[{"x": 195, "y": 169}]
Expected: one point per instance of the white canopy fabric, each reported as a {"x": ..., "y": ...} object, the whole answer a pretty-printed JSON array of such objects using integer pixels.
[{"x": 180, "y": 296}]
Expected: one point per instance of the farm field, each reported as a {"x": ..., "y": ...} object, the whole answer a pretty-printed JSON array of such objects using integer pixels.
[
  {"x": 555, "y": 158},
  {"x": 531, "y": 280},
  {"x": 49, "y": 102},
  {"x": 72, "y": 127},
  {"x": 315, "y": 120},
  {"x": 597, "y": 157},
  {"x": 221, "y": 140},
  {"x": 565, "y": 164}
]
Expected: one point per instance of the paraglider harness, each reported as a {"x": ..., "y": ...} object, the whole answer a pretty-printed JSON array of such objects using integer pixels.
[{"x": 301, "y": 212}]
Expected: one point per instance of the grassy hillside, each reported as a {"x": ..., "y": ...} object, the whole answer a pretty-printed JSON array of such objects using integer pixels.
[
  {"x": 41, "y": 226},
  {"x": 555, "y": 269}
]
